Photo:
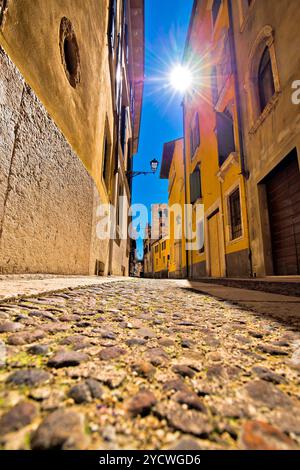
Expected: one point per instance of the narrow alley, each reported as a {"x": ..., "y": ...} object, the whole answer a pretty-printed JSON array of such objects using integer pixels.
[
  {"x": 149, "y": 232},
  {"x": 146, "y": 364}
]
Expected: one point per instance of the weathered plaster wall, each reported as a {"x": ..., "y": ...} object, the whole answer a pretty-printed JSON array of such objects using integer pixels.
[
  {"x": 99, "y": 249},
  {"x": 30, "y": 34},
  {"x": 120, "y": 259},
  {"x": 46, "y": 194}
]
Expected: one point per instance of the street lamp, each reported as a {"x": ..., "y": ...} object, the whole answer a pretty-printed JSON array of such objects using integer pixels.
[{"x": 153, "y": 165}]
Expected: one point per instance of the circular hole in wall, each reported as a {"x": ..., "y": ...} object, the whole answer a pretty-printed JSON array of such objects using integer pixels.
[{"x": 69, "y": 51}]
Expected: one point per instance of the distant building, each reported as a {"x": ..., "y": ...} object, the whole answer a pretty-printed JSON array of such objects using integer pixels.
[
  {"x": 161, "y": 256},
  {"x": 138, "y": 269},
  {"x": 160, "y": 220},
  {"x": 156, "y": 243},
  {"x": 132, "y": 257},
  {"x": 156, "y": 260},
  {"x": 148, "y": 258},
  {"x": 172, "y": 168}
]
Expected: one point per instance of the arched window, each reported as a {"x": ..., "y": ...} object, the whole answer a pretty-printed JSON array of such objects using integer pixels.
[
  {"x": 262, "y": 81},
  {"x": 266, "y": 86}
]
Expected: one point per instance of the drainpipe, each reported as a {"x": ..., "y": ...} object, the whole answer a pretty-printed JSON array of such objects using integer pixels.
[
  {"x": 185, "y": 191},
  {"x": 117, "y": 121},
  {"x": 245, "y": 171}
]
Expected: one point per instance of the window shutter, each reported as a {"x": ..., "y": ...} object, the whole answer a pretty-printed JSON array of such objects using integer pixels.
[
  {"x": 111, "y": 24},
  {"x": 123, "y": 127},
  {"x": 191, "y": 144},
  {"x": 265, "y": 80},
  {"x": 197, "y": 126},
  {"x": 225, "y": 136},
  {"x": 195, "y": 185},
  {"x": 235, "y": 215},
  {"x": 214, "y": 85}
]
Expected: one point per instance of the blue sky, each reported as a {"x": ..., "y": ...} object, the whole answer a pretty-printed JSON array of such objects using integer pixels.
[{"x": 166, "y": 28}]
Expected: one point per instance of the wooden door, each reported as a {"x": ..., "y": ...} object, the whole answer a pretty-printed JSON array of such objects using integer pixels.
[
  {"x": 283, "y": 193},
  {"x": 214, "y": 246}
]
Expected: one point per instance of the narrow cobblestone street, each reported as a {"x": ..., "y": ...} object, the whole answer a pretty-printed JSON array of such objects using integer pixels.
[{"x": 145, "y": 364}]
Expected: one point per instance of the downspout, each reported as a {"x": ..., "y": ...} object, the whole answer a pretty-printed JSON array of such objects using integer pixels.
[
  {"x": 185, "y": 192},
  {"x": 116, "y": 156},
  {"x": 244, "y": 170},
  {"x": 116, "y": 184},
  {"x": 223, "y": 226}
]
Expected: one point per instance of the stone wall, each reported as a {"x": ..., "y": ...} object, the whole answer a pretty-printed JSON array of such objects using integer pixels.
[
  {"x": 238, "y": 264},
  {"x": 46, "y": 194},
  {"x": 198, "y": 270}
]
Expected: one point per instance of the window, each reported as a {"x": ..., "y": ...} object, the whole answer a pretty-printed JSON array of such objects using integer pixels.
[
  {"x": 195, "y": 135},
  {"x": 262, "y": 78},
  {"x": 197, "y": 132},
  {"x": 106, "y": 160},
  {"x": 124, "y": 125},
  {"x": 225, "y": 135},
  {"x": 126, "y": 40},
  {"x": 120, "y": 207},
  {"x": 69, "y": 52},
  {"x": 266, "y": 85},
  {"x": 235, "y": 214},
  {"x": 119, "y": 76},
  {"x": 195, "y": 185},
  {"x": 132, "y": 101},
  {"x": 215, "y": 10},
  {"x": 225, "y": 68},
  {"x": 214, "y": 85},
  {"x": 156, "y": 249},
  {"x": 112, "y": 24}
]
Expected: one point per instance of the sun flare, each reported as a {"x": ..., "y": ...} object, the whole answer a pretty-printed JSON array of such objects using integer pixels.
[{"x": 181, "y": 78}]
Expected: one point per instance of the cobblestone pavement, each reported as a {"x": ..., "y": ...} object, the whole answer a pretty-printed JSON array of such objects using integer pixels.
[{"x": 144, "y": 364}]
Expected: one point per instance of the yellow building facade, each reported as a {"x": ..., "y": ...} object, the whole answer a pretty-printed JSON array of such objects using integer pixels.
[
  {"x": 160, "y": 256},
  {"x": 173, "y": 169},
  {"x": 213, "y": 154},
  {"x": 267, "y": 43},
  {"x": 148, "y": 259}
]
